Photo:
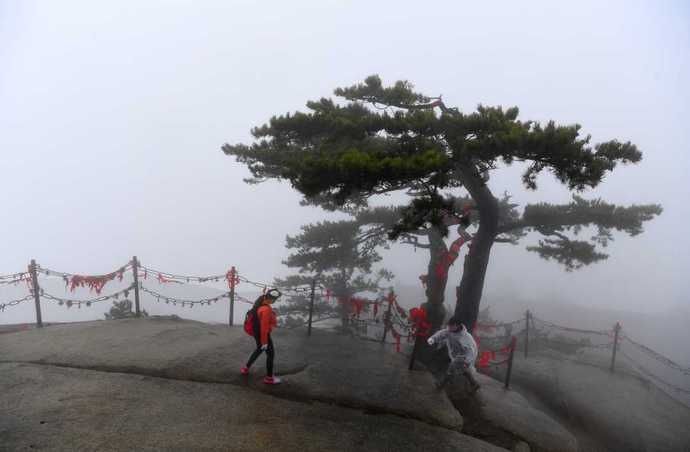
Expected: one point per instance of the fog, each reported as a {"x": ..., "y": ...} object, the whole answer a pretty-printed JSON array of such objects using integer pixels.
[{"x": 112, "y": 117}]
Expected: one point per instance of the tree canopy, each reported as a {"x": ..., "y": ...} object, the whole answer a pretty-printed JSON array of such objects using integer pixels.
[
  {"x": 381, "y": 139},
  {"x": 405, "y": 144}
]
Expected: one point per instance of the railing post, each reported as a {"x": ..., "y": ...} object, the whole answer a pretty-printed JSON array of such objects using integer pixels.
[
  {"x": 387, "y": 317},
  {"x": 414, "y": 351},
  {"x": 311, "y": 305},
  {"x": 616, "y": 330},
  {"x": 37, "y": 295},
  {"x": 135, "y": 272},
  {"x": 527, "y": 316},
  {"x": 233, "y": 280},
  {"x": 509, "y": 371}
]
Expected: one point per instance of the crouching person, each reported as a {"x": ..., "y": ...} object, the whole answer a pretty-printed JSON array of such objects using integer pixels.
[{"x": 462, "y": 351}]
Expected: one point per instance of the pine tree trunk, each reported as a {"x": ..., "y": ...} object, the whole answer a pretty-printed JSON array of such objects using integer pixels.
[
  {"x": 342, "y": 295},
  {"x": 469, "y": 293},
  {"x": 435, "y": 285}
]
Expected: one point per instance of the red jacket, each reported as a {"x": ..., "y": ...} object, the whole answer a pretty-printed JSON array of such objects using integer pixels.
[{"x": 267, "y": 321}]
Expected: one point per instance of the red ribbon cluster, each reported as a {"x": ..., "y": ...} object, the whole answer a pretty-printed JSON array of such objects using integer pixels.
[
  {"x": 420, "y": 322},
  {"x": 94, "y": 283},
  {"x": 232, "y": 278},
  {"x": 487, "y": 356},
  {"x": 448, "y": 258}
]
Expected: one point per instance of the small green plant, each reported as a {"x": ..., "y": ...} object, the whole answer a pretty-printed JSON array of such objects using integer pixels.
[{"x": 122, "y": 310}]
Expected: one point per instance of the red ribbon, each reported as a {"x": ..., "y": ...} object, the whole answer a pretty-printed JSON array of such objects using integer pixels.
[
  {"x": 232, "y": 278},
  {"x": 449, "y": 257},
  {"x": 357, "y": 305},
  {"x": 95, "y": 283},
  {"x": 487, "y": 356},
  {"x": 420, "y": 322}
]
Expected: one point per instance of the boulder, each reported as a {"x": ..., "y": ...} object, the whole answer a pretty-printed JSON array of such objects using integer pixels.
[{"x": 503, "y": 416}]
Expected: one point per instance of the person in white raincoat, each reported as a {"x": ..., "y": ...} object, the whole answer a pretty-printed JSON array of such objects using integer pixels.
[{"x": 462, "y": 351}]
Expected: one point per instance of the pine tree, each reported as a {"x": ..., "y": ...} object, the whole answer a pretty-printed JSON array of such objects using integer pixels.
[
  {"x": 122, "y": 310},
  {"x": 340, "y": 256},
  {"x": 385, "y": 139}
]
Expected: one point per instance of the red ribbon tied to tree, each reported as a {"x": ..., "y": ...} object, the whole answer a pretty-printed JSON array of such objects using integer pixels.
[
  {"x": 420, "y": 322},
  {"x": 448, "y": 258}
]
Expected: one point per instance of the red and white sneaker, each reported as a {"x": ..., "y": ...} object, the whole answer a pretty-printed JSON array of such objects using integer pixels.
[
  {"x": 244, "y": 371},
  {"x": 272, "y": 380}
]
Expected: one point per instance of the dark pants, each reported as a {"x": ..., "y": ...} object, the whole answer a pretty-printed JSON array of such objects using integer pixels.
[
  {"x": 270, "y": 353},
  {"x": 458, "y": 366}
]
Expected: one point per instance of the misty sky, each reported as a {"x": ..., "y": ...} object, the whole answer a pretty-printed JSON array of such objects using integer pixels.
[{"x": 112, "y": 116}]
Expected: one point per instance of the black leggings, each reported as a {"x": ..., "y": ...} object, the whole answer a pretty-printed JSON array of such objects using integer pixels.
[{"x": 270, "y": 353}]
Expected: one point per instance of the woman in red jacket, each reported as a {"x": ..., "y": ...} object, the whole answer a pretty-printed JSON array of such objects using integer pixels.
[{"x": 264, "y": 322}]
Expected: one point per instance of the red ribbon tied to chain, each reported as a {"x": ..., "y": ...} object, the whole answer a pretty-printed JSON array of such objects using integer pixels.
[
  {"x": 94, "y": 283},
  {"x": 485, "y": 358}
]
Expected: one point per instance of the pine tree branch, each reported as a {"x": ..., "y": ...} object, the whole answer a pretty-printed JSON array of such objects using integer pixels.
[
  {"x": 581, "y": 212},
  {"x": 573, "y": 254},
  {"x": 413, "y": 240}
]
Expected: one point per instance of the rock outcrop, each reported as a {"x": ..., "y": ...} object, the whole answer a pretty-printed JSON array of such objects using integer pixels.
[{"x": 164, "y": 383}]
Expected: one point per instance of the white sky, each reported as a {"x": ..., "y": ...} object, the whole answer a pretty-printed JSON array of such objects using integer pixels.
[{"x": 112, "y": 115}]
